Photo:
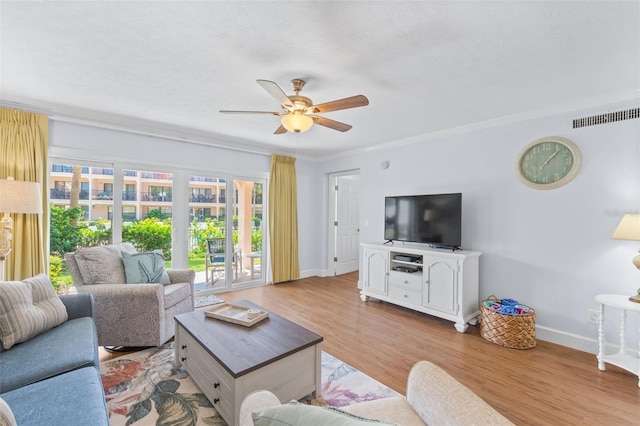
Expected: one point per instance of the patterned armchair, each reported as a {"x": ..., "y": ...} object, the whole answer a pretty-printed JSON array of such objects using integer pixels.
[{"x": 129, "y": 314}]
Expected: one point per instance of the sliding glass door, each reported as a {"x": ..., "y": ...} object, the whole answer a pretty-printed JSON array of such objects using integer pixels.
[
  {"x": 248, "y": 217},
  {"x": 225, "y": 232},
  {"x": 149, "y": 208}
]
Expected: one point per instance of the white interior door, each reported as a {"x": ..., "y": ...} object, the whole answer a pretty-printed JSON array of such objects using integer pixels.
[{"x": 347, "y": 224}]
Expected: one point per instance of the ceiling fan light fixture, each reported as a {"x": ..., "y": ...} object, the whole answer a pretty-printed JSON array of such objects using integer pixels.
[{"x": 296, "y": 122}]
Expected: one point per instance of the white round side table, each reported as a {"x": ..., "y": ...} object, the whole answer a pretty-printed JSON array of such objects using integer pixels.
[{"x": 623, "y": 358}]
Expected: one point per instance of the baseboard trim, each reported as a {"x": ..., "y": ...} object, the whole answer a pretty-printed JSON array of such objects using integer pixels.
[
  {"x": 570, "y": 340},
  {"x": 574, "y": 341},
  {"x": 311, "y": 273}
]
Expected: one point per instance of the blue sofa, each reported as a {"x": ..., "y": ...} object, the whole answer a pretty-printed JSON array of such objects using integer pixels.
[{"x": 54, "y": 378}]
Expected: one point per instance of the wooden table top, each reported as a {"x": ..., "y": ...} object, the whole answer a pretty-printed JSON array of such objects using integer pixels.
[{"x": 240, "y": 349}]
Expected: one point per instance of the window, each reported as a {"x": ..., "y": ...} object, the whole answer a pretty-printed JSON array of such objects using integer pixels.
[
  {"x": 147, "y": 210},
  {"x": 128, "y": 213},
  {"x": 129, "y": 193},
  {"x": 94, "y": 222},
  {"x": 146, "y": 202},
  {"x": 239, "y": 237}
]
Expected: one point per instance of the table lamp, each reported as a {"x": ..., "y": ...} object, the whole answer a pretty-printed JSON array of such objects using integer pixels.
[
  {"x": 629, "y": 229},
  {"x": 15, "y": 197}
]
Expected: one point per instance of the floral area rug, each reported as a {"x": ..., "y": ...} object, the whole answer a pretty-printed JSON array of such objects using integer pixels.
[
  {"x": 207, "y": 300},
  {"x": 145, "y": 388}
]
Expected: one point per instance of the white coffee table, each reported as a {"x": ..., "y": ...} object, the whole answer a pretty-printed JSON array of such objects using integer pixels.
[{"x": 229, "y": 361}]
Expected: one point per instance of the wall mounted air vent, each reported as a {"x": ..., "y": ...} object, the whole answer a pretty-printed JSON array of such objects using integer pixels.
[{"x": 609, "y": 117}]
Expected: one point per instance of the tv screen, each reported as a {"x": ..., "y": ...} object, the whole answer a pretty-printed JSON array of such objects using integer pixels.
[{"x": 431, "y": 219}]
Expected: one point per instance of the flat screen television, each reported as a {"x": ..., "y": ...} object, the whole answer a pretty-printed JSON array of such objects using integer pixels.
[{"x": 434, "y": 219}]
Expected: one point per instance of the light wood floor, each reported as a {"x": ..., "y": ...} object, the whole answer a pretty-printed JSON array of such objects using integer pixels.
[{"x": 547, "y": 385}]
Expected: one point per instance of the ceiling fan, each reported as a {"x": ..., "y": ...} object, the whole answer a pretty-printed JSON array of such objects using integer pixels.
[{"x": 299, "y": 113}]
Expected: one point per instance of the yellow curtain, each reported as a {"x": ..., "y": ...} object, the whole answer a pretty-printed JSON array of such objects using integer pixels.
[
  {"x": 23, "y": 155},
  {"x": 283, "y": 219}
]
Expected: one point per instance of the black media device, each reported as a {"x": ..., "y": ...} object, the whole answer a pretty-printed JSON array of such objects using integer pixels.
[{"x": 434, "y": 219}]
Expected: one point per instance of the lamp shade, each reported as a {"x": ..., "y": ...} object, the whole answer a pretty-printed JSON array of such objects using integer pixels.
[
  {"x": 296, "y": 122},
  {"x": 19, "y": 196},
  {"x": 628, "y": 228}
]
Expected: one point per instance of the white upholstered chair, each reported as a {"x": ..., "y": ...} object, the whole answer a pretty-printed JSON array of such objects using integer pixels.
[{"x": 129, "y": 315}]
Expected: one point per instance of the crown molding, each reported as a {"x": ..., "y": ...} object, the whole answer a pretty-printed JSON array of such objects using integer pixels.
[
  {"x": 632, "y": 98},
  {"x": 189, "y": 135}
]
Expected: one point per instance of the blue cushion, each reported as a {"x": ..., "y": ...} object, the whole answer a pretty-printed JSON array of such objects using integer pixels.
[
  {"x": 69, "y": 346},
  {"x": 72, "y": 399},
  {"x": 145, "y": 268}
]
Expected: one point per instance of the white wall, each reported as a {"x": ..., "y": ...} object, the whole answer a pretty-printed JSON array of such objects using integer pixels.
[
  {"x": 91, "y": 144},
  {"x": 548, "y": 249},
  {"x": 97, "y": 144}
]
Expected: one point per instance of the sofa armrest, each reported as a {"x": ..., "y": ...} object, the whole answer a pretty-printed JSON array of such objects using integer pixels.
[
  {"x": 440, "y": 399},
  {"x": 256, "y": 401},
  {"x": 123, "y": 312},
  {"x": 78, "y": 305},
  {"x": 184, "y": 276},
  {"x": 181, "y": 275},
  {"x": 123, "y": 294}
]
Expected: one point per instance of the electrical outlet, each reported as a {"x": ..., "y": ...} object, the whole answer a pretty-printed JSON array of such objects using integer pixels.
[{"x": 592, "y": 316}]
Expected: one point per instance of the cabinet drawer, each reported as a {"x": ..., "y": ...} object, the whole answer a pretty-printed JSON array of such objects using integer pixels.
[
  {"x": 212, "y": 379},
  {"x": 410, "y": 281},
  {"x": 212, "y": 388},
  {"x": 406, "y": 295}
]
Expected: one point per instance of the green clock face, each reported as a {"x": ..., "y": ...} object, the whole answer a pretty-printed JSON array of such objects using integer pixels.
[{"x": 548, "y": 163}]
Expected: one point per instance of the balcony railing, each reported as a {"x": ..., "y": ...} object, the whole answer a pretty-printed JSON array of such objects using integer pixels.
[
  {"x": 161, "y": 197},
  {"x": 161, "y": 176},
  {"x": 62, "y": 168},
  {"x": 203, "y": 179},
  {"x": 57, "y": 194},
  {"x": 211, "y": 198},
  {"x": 99, "y": 171},
  {"x": 129, "y": 196},
  {"x": 98, "y": 194}
]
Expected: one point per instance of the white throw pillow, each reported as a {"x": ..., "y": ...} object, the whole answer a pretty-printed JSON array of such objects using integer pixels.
[
  {"x": 102, "y": 264},
  {"x": 28, "y": 308}
]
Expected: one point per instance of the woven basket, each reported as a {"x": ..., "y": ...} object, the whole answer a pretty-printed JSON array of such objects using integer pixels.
[{"x": 511, "y": 331}]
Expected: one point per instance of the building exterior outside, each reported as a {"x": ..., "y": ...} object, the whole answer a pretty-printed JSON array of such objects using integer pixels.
[{"x": 142, "y": 192}]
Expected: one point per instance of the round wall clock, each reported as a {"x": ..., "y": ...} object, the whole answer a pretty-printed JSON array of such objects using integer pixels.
[{"x": 548, "y": 163}]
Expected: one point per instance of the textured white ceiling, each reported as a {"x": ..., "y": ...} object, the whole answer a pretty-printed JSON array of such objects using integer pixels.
[{"x": 167, "y": 67}]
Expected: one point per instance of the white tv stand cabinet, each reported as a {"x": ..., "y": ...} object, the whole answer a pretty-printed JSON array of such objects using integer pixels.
[{"x": 438, "y": 282}]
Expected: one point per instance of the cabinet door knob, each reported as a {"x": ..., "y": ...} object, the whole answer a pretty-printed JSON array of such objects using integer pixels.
[
  {"x": 406, "y": 282},
  {"x": 183, "y": 359},
  {"x": 216, "y": 385},
  {"x": 406, "y": 295},
  {"x": 216, "y": 400},
  {"x": 184, "y": 346}
]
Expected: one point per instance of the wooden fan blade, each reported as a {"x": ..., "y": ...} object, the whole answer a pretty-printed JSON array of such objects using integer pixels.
[
  {"x": 346, "y": 103},
  {"x": 332, "y": 124},
  {"x": 275, "y": 91},
  {"x": 280, "y": 130},
  {"x": 226, "y": 111}
]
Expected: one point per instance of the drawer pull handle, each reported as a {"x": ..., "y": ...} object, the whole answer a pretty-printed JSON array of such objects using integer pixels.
[
  {"x": 216, "y": 385},
  {"x": 216, "y": 400},
  {"x": 184, "y": 346},
  {"x": 183, "y": 359}
]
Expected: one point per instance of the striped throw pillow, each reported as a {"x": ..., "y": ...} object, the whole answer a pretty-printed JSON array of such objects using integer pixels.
[
  {"x": 28, "y": 308},
  {"x": 6, "y": 416}
]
